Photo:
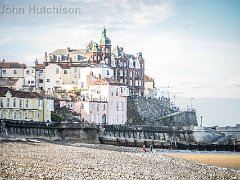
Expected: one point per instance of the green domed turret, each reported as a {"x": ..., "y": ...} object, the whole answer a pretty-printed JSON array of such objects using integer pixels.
[{"x": 104, "y": 39}]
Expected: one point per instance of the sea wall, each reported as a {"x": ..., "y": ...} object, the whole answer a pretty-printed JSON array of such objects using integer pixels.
[{"x": 61, "y": 132}]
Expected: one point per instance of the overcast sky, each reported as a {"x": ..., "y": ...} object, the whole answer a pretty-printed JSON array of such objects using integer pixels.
[{"x": 191, "y": 46}]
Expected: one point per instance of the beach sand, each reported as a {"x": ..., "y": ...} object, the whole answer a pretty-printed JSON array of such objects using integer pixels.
[
  {"x": 42, "y": 160},
  {"x": 220, "y": 160}
]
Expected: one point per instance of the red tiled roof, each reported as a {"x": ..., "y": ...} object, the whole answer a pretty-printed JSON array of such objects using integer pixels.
[
  {"x": 64, "y": 66},
  {"x": 40, "y": 66},
  {"x": 147, "y": 78},
  {"x": 19, "y": 94},
  {"x": 11, "y": 65},
  {"x": 106, "y": 81}
]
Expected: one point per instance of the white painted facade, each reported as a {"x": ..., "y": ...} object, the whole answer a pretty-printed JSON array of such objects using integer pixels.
[
  {"x": 95, "y": 70},
  {"x": 29, "y": 77},
  {"x": 116, "y": 96},
  {"x": 12, "y": 70},
  {"x": 52, "y": 79},
  {"x": 13, "y": 73}
]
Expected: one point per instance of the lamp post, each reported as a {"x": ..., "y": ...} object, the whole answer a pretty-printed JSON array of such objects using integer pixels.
[
  {"x": 80, "y": 114},
  {"x": 191, "y": 103},
  {"x": 168, "y": 91},
  {"x": 174, "y": 100}
]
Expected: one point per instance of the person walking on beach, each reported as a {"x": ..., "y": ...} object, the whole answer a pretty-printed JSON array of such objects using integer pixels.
[
  {"x": 151, "y": 147},
  {"x": 144, "y": 148}
]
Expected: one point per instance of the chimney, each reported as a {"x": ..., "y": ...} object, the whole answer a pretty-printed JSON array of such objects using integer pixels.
[
  {"x": 3, "y": 60},
  {"x": 36, "y": 62},
  {"x": 45, "y": 56}
]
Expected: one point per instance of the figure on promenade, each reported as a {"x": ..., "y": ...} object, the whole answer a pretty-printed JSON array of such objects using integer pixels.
[
  {"x": 144, "y": 148},
  {"x": 151, "y": 147}
]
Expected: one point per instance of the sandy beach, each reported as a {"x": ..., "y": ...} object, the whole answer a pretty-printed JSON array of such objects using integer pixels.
[
  {"x": 221, "y": 160},
  {"x": 42, "y": 160}
]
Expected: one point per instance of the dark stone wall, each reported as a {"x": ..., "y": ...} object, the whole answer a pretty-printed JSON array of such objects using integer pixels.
[
  {"x": 157, "y": 112},
  {"x": 28, "y": 130}
]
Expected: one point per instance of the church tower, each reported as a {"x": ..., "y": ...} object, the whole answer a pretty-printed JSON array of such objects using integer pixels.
[
  {"x": 105, "y": 45},
  {"x": 96, "y": 53}
]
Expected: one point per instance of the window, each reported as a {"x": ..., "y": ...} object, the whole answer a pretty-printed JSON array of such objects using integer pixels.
[
  {"x": 20, "y": 103},
  {"x": 27, "y": 72},
  {"x": 40, "y": 80},
  {"x": 122, "y": 105},
  {"x": 121, "y": 72},
  {"x": 40, "y": 71},
  {"x": 15, "y": 115},
  {"x": 27, "y": 103},
  {"x": 75, "y": 70},
  {"x": 14, "y": 102},
  {"x": 8, "y": 102},
  {"x": 136, "y": 83},
  {"x": 32, "y": 82},
  {"x": 76, "y": 58},
  {"x": 82, "y": 105},
  {"x": 98, "y": 91},
  {"x": 28, "y": 82},
  {"x": 57, "y": 70},
  {"x": 58, "y": 83},
  {"x": 117, "y": 92},
  {"x": 108, "y": 72},
  {"x": 98, "y": 107},
  {"x": 4, "y": 71},
  {"x": 112, "y": 103},
  {"x": 39, "y": 103},
  {"x": 32, "y": 71},
  {"x": 65, "y": 71},
  {"x": 1, "y": 103},
  {"x": 104, "y": 107},
  {"x": 48, "y": 80},
  {"x": 59, "y": 58},
  {"x": 112, "y": 91},
  {"x": 92, "y": 107},
  {"x": 117, "y": 106},
  {"x": 130, "y": 82},
  {"x": 121, "y": 89},
  {"x": 15, "y": 71},
  {"x": 82, "y": 84}
]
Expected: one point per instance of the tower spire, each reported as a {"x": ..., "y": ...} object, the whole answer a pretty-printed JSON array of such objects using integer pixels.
[{"x": 104, "y": 31}]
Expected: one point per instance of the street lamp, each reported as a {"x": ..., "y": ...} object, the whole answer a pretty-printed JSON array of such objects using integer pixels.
[
  {"x": 191, "y": 103},
  {"x": 174, "y": 100}
]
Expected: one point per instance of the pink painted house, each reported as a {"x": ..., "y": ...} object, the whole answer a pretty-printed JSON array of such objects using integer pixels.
[{"x": 105, "y": 102}]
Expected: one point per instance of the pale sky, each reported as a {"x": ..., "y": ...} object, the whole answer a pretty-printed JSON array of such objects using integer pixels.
[{"x": 191, "y": 46}]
